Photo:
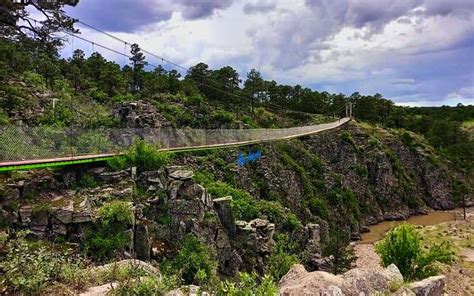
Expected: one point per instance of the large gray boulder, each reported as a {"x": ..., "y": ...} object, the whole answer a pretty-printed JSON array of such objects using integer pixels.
[
  {"x": 432, "y": 286},
  {"x": 359, "y": 281}
]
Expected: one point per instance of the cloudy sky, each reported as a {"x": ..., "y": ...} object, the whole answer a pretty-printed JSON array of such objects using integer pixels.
[{"x": 415, "y": 52}]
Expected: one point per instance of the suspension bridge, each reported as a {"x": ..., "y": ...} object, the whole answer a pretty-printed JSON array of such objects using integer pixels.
[{"x": 24, "y": 148}]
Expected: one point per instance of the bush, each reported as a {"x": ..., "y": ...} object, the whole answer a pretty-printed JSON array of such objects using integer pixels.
[
  {"x": 142, "y": 286},
  {"x": 281, "y": 259},
  {"x": 336, "y": 245},
  {"x": 222, "y": 116},
  {"x": 119, "y": 212},
  {"x": 109, "y": 234},
  {"x": 142, "y": 155},
  {"x": 247, "y": 284},
  {"x": 194, "y": 99},
  {"x": 195, "y": 263},
  {"x": 244, "y": 206},
  {"x": 28, "y": 267},
  {"x": 402, "y": 247}
]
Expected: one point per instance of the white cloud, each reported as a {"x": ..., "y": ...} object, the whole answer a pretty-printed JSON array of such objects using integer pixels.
[
  {"x": 347, "y": 45},
  {"x": 465, "y": 93}
]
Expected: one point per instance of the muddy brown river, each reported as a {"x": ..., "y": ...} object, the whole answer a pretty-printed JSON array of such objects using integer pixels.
[{"x": 377, "y": 231}]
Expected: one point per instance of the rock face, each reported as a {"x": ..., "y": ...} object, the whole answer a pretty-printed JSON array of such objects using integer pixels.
[
  {"x": 140, "y": 115},
  {"x": 432, "y": 286},
  {"x": 254, "y": 239},
  {"x": 191, "y": 210},
  {"x": 298, "y": 281}
]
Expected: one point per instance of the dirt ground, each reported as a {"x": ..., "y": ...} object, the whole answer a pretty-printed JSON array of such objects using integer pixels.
[{"x": 459, "y": 234}]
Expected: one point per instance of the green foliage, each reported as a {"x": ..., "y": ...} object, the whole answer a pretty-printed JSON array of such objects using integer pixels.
[
  {"x": 194, "y": 263},
  {"x": 408, "y": 140},
  {"x": 141, "y": 287},
  {"x": 318, "y": 206},
  {"x": 336, "y": 244},
  {"x": 109, "y": 234},
  {"x": 194, "y": 99},
  {"x": 117, "y": 163},
  {"x": 87, "y": 181},
  {"x": 264, "y": 118},
  {"x": 346, "y": 137},
  {"x": 247, "y": 284},
  {"x": 402, "y": 246},
  {"x": 360, "y": 170},
  {"x": 34, "y": 80},
  {"x": 28, "y": 267},
  {"x": 281, "y": 258},
  {"x": 142, "y": 155},
  {"x": 75, "y": 275},
  {"x": 115, "y": 212},
  {"x": 244, "y": 206},
  {"x": 222, "y": 116}
]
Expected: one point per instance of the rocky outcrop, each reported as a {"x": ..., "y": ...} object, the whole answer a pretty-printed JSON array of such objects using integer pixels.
[
  {"x": 354, "y": 282},
  {"x": 357, "y": 281},
  {"x": 140, "y": 115},
  {"x": 191, "y": 210},
  {"x": 432, "y": 286},
  {"x": 254, "y": 240}
]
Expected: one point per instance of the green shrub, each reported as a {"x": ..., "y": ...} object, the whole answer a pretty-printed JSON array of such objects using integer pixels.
[
  {"x": 336, "y": 244},
  {"x": 116, "y": 212},
  {"x": 281, "y": 258},
  {"x": 194, "y": 99},
  {"x": 34, "y": 80},
  {"x": 142, "y": 286},
  {"x": 222, "y": 116},
  {"x": 109, "y": 235},
  {"x": 402, "y": 246},
  {"x": 75, "y": 275},
  {"x": 87, "y": 181},
  {"x": 117, "y": 163},
  {"x": 318, "y": 206},
  {"x": 142, "y": 155},
  {"x": 4, "y": 119},
  {"x": 247, "y": 284},
  {"x": 244, "y": 206},
  {"x": 194, "y": 263},
  {"x": 28, "y": 267},
  {"x": 346, "y": 137}
]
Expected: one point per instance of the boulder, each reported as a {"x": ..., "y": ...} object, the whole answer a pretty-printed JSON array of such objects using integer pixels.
[
  {"x": 112, "y": 176},
  {"x": 9, "y": 193},
  {"x": 300, "y": 282},
  {"x": 139, "y": 115},
  {"x": 25, "y": 215},
  {"x": 359, "y": 281},
  {"x": 432, "y": 286},
  {"x": 39, "y": 218},
  {"x": 82, "y": 217},
  {"x": 181, "y": 175},
  {"x": 8, "y": 217}
]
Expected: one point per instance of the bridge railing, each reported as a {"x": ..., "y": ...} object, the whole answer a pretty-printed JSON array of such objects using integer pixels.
[{"x": 32, "y": 143}]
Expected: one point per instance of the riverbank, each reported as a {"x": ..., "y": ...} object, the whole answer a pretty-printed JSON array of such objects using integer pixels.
[{"x": 459, "y": 233}]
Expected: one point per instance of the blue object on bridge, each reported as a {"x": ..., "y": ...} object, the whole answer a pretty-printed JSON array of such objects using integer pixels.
[{"x": 252, "y": 157}]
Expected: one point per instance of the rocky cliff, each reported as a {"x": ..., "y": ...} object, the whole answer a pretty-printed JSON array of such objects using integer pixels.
[{"x": 286, "y": 202}]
